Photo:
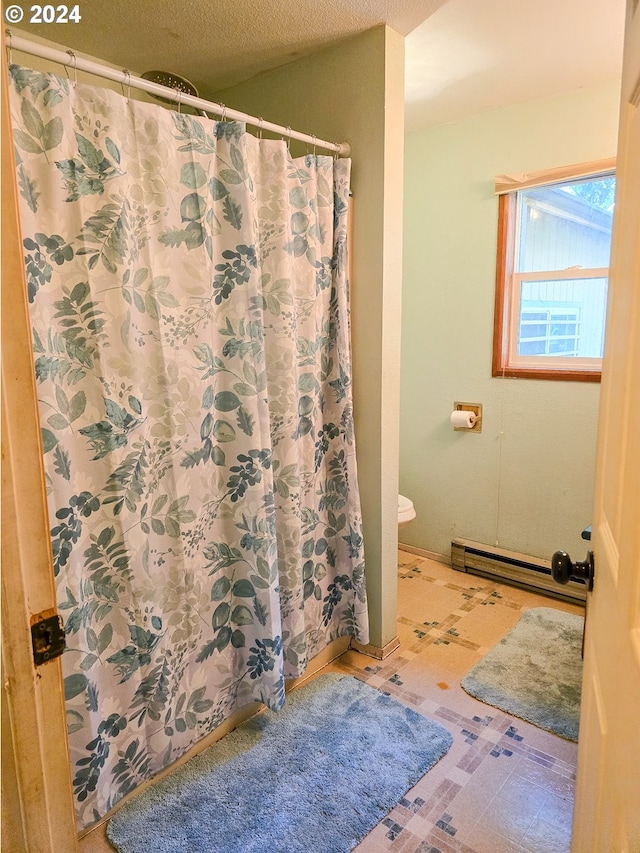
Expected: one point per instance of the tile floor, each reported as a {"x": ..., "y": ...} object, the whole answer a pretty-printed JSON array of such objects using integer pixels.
[{"x": 504, "y": 786}]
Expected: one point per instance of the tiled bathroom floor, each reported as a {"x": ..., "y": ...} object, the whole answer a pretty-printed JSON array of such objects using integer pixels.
[{"x": 504, "y": 786}]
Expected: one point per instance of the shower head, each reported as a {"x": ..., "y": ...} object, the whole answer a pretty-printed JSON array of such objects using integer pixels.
[{"x": 171, "y": 81}]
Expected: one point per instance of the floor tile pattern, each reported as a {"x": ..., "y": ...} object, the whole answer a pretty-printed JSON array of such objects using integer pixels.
[{"x": 504, "y": 786}]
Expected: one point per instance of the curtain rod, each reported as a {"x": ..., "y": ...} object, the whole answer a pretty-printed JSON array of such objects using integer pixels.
[{"x": 69, "y": 59}]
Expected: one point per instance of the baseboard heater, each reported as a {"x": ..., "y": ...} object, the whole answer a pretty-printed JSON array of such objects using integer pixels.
[{"x": 513, "y": 568}]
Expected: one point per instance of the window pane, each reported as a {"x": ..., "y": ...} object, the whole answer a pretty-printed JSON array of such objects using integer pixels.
[
  {"x": 532, "y": 348},
  {"x": 562, "y": 347},
  {"x": 563, "y": 329},
  {"x": 564, "y": 317},
  {"x": 565, "y": 225},
  {"x": 532, "y": 331}
]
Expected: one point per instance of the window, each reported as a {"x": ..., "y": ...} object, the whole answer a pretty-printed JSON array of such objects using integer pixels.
[
  {"x": 554, "y": 242},
  {"x": 549, "y": 330}
]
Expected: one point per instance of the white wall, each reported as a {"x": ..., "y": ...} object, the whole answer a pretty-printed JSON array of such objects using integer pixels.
[
  {"x": 526, "y": 481},
  {"x": 353, "y": 92}
]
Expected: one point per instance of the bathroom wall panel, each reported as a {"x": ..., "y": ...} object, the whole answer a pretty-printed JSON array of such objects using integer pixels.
[{"x": 526, "y": 482}]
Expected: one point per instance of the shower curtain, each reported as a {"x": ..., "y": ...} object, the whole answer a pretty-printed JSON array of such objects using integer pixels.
[{"x": 189, "y": 299}]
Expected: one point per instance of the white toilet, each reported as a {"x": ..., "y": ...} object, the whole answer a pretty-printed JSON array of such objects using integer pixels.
[{"x": 406, "y": 511}]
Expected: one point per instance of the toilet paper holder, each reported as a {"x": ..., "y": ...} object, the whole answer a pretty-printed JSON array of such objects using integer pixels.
[{"x": 476, "y": 408}]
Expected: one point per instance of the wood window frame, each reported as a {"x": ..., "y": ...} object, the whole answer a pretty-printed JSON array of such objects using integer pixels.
[{"x": 505, "y": 269}]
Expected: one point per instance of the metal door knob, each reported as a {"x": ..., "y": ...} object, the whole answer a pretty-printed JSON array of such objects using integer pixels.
[{"x": 563, "y": 569}]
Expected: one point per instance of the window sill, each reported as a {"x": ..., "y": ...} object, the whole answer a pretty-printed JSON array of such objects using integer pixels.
[{"x": 541, "y": 373}]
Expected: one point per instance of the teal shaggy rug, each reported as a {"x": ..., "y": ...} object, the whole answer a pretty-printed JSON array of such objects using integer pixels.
[
  {"x": 316, "y": 776},
  {"x": 535, "y": 671}
]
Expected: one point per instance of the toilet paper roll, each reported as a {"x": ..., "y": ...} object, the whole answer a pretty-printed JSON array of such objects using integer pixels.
[{"x": 462, "y": 420}]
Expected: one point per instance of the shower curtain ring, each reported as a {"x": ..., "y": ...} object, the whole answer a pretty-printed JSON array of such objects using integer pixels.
[
  {"x": 260, "y": 121},
  {"x": 314, "y": 137},
  {"x": 9, "y": 35},
  {"x": 288, "y": 135},
  {"x": 127, "y": 77},
  {"x": 179, "y": 93},
  {"x": 223, "y": 114},
  {"x": 75, "y": 68}
]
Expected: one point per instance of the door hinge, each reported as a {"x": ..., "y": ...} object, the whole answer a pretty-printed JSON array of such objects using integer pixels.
[{"x": 47, "y": 637}]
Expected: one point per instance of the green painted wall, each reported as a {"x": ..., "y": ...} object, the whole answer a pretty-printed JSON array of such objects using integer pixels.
[
  {"x": 353, "y": 92},
  {"x": 526, "y": 482}
]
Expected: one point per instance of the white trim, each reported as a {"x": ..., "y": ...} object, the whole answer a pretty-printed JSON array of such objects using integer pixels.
[
  {"x": 547, "y": 362},
  {"x": 552, "y": 362},
  {"x": 569, "y": 274},
  {"x": 523, "y": 180},
  {"x": 422, "y": 552}
]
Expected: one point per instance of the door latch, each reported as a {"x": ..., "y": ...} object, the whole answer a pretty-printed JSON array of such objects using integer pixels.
[
  {"x": 563, "y": 569},
  {"x": 47, "y": 637}
]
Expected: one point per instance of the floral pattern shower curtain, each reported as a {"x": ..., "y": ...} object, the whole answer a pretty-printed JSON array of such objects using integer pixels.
[{"x": 189, "y": 298}]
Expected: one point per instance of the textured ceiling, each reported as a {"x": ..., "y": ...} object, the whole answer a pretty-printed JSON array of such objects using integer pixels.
[
  {"x": 218, "y": 43},
  {"x": 462, "y": 56}
]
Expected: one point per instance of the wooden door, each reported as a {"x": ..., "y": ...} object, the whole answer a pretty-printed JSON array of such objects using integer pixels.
[
  {"x": 37, "y": 801},
  {"x": 607, "y": 809}
]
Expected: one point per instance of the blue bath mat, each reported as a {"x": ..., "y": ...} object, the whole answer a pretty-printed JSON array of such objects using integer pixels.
[
  {"x": 316, "y": 776},
  {"x": 535, "y": 671}
]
